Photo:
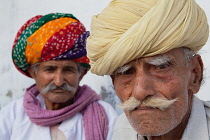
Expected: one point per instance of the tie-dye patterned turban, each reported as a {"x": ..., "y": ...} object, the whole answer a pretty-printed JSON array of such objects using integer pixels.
[
  {"x": 54, "y": 36},
  {"x": 129, "y": 29}
]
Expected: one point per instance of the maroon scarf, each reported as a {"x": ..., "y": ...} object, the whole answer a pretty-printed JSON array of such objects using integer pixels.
[{"x": 94, "y": 115}]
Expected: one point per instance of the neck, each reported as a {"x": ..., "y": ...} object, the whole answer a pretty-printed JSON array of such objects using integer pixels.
[
  {"x": 57, "y": 106},
  {"x": 177, "y": 132}
]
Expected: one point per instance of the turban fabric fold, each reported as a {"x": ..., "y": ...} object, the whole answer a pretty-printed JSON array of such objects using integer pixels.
[
  {"x": 55, "y": 36},
  {"x": 129, "y": 29}
]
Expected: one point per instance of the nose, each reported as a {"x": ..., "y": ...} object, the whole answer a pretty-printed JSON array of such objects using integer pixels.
[
  {"x": 143, "y": 86},
  {"x": 59, "y": 79}
]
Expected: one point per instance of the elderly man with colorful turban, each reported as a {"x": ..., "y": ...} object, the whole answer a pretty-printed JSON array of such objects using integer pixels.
[
  {"x": 149, "y": 47},
  {"x": 51, "y": 49}
]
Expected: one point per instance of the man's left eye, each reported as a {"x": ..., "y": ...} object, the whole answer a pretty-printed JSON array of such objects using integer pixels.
[
  {"x": 49, "y": 70},
  {"x": 70, "y": 69},
  {"x": 162, "y": 66},
  {"x": 128, "y": 72}
]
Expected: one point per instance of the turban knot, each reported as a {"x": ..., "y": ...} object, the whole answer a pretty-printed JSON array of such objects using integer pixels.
[
  {"x": 129, "y": 29},
  {"x": 55, "y": 36}
]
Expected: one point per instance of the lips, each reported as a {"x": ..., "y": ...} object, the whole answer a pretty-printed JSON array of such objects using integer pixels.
[
  {"x": 58, "y": 90},
  {"x": 144, "y": 108}
]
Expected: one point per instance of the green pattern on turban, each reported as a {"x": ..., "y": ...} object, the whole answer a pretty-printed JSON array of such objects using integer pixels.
[{"x": 19, "y": 48}]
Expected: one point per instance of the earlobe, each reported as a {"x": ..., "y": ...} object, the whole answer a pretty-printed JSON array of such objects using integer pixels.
[{"x": 196, "y": 73}]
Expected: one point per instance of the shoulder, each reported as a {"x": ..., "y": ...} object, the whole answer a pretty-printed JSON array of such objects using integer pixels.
[
  {"x": 9, "y": 114},
  {"x": 122, "y": 122},
  {"x": 108, "y": 108},
  {"x": 15, "y": 106},
  {"x": 111, "y": 113},
  {"x": 207, "y": 108},
  {"x": 206, "y": 104}
]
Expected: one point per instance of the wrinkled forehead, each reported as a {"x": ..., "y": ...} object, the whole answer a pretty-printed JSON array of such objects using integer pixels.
[{"x": 59, "y": 63}]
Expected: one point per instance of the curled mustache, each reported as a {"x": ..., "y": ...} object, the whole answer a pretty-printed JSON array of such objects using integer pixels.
[
  {"x": 153, "y": 102},
  {"x": 52, "y": 86}
]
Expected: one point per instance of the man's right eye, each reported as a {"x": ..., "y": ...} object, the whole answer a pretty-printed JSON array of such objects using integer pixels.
[
  {"x": 127, "y": 72},
  {"x": 49, "y": 69},
  {"x": 163, "y": 66}
]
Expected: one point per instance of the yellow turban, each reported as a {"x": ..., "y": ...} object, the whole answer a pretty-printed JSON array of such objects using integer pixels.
[{"x": 129, "y": 29}]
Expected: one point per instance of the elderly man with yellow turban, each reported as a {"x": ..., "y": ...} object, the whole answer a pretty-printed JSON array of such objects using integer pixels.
[
  {"x": 51, "y": 49},
  {"x": 149, "y": 47}
]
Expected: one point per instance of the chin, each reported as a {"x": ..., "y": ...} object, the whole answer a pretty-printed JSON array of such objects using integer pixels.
[
  {"x": 60, "y": 97},
  {"x": 59, "y": 100},
  {"x": 153, "y": 133},
  {"x": 153, "y": 130}
]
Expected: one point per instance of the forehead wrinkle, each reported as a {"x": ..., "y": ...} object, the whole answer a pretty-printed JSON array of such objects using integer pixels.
[{"x": 58, "y": 63}]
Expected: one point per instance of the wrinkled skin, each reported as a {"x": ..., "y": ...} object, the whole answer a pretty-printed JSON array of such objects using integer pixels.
[
  {"x": 170, "y": 81},
  {"x": 57, "y": 72}
]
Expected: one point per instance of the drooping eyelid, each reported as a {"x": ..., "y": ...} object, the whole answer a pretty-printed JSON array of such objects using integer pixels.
[
  {"x": 53, "y": 67},
  {"x": 122, "y": 69},
  {"x": 71, "y": 68},
  {"x": 49, "y": 67},
  {"x": 160, "y": 60}
]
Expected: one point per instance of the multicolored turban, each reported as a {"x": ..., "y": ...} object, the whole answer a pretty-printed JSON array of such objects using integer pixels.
[
  {"x": 129, "y": 29},
  {"x": 55, "y": 36}
]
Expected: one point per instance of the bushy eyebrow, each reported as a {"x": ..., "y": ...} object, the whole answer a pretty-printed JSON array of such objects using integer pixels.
[
  {"x": 159, "y": 60},
  {"x": 156, "y": 61},
  {"x": 65, "y": 67},
  {"x": 122, "y": 69},
  {"x": 71, "y": 67}
]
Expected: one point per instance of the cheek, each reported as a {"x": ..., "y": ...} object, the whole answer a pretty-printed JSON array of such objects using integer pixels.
[
  {"x": 175, "y": 87},
  {"x": 73, "y": 80},
  {"x": 181, "y": 107},
  {"x": 123, "y": 90},
  {"x": 42, "y": 81}
]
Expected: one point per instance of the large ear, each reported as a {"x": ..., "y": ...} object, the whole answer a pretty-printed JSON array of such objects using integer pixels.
[{"x": 196, "y": 73}]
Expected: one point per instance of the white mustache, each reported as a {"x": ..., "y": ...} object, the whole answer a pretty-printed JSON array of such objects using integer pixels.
[
  {"x": 153, "y": 102},
  {"x": 52, "y": 86}
]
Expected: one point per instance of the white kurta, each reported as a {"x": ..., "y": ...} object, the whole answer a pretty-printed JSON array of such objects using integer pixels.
[
  {"x": 196, "y": 129},
  {"x": 15, "y": 124}
]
